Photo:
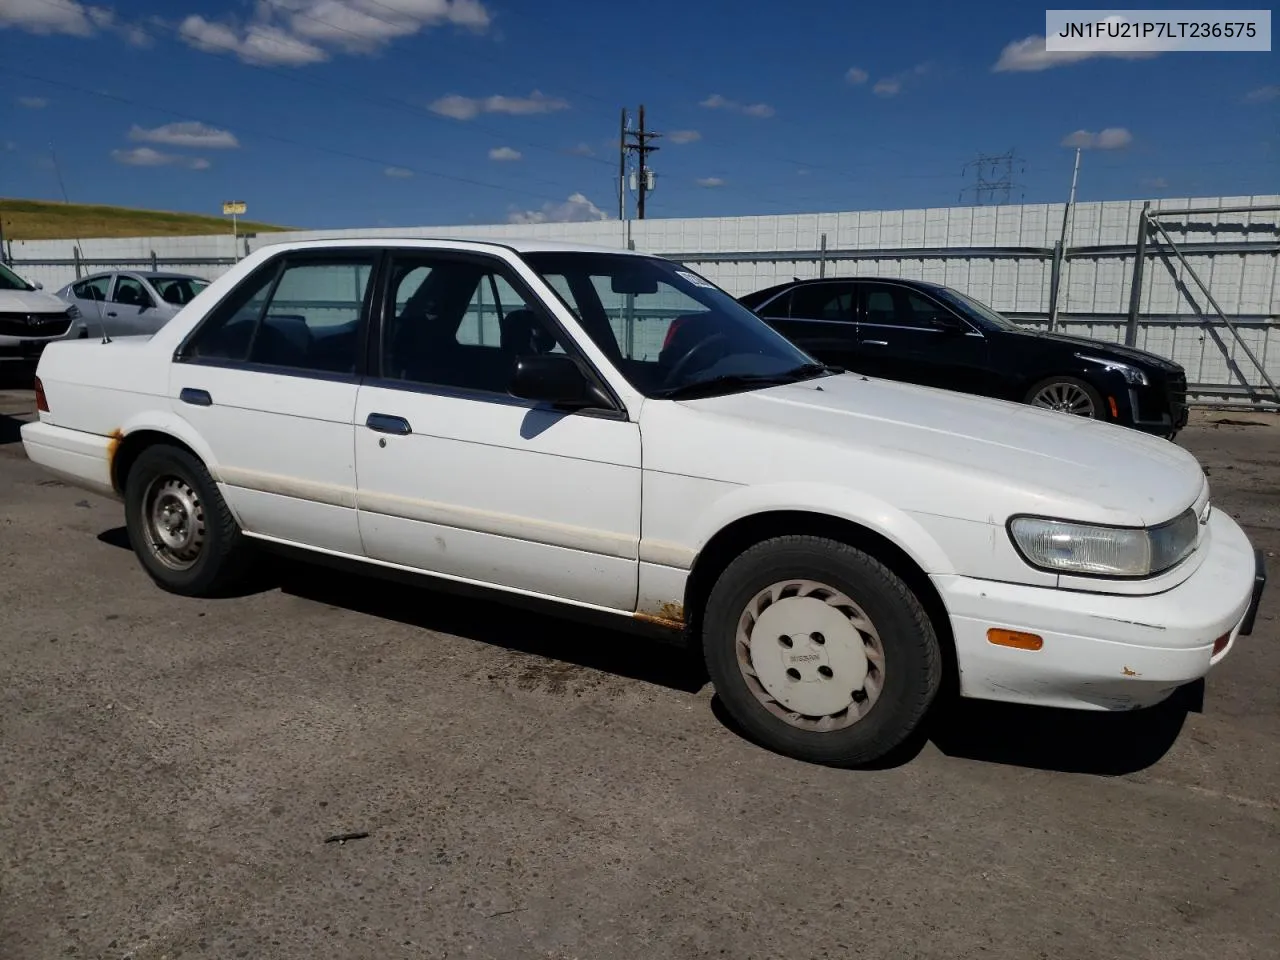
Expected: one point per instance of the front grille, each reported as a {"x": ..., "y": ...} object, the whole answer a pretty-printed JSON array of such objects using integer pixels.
[
  {"x": 1176, "y": 383},
  {"x": 35, "y": 325}
]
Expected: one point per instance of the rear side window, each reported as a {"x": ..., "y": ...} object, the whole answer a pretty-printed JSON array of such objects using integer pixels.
[
  {"x": 130, "y": 292},
  {"x": 823, "y": 301},
  {"x": 304, "y": 315},
  {"x": 779, "y": 307}
]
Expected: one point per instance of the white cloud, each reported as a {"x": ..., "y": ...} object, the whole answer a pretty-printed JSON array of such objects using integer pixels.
[
  {"x": 887, "y": 87},
  {"x": 684, "y": 136},
  {"x": 398, "y": 173},
  {"x": 467, "y": 108},
  {"x": 710, "y": 181},
  {"x": 582, "y": 150},
  {"x": 856, "y": 76},
  {"x": 1029, "y": 55},
  {"x": 33, "y": 103},
  {"x": 1263, "y": 94},
  {"x": 192, "y": 134},
  {"x": 504, "y": 153},
  {"x": 68, "y": 17},
  {"x": 1112, "y": 138},
  {"x": 717, "y": 102},
  {"x": 299, "y": 32},
  {"x": 259, "y": 43},
  {"x": 148, "y": 157},
  {"x": 576, "y": 208}
]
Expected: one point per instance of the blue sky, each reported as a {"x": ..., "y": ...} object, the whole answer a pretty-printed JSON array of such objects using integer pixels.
[{"x": 329, "y": 113}]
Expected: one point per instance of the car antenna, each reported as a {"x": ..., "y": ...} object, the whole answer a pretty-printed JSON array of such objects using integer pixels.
[{"x": 53, "y": 155}]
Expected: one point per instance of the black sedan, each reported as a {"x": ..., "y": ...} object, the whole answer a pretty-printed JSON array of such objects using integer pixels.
[{"x": 933, "y": 335}]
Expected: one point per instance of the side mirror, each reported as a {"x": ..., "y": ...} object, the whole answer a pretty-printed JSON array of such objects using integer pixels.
[
  {"x": 555, "y": 379},
  {"x": 37, "y": 285}
]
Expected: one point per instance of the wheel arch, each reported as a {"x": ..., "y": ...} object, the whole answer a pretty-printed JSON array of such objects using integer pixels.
[
  {"x": 146, "y": 431},
  {"x": 911, "y": 562}
]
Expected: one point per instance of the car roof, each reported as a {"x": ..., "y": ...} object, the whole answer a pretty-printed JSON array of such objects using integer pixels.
[
  {"x": 516, "y": 244},
  {"x": 145, "y": 274},
  {"x": 809, "y": 281}
]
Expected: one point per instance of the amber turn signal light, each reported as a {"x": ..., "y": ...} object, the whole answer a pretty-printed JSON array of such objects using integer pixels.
[{"x": 1012, "y": 638}]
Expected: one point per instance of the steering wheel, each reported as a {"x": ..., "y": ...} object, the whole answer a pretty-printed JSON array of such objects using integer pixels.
[{"x": 684, "y": 362}]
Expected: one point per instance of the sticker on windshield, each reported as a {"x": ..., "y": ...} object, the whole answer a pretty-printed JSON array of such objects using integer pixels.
[{"x": 696, "y": 280}]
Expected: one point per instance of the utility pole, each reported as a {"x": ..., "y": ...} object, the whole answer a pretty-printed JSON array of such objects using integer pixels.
[
  {"x": 622, "y": 167},
  {"x": 1062, "y": 241},
  {"x": 642, "y": 149}
]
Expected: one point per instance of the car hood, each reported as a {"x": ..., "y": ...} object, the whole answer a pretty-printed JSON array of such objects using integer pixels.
[
  {"x": 30, "y": 301},
  {"x": 935, "y": 451},
  {"x": 1104, "y": 350}
]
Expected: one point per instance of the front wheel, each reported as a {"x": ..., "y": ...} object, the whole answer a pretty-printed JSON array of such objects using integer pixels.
[
  {"x": 1067, "y": 395},
  {"x": 819, "y": 651},
  {"x": 181, "y": 529}
]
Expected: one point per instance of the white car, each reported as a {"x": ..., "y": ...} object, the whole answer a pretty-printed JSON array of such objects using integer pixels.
[
  {"x": 531, "y": 417},
  {"x": 29, "y": 317}
]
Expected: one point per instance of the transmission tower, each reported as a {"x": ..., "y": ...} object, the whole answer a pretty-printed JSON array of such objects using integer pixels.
[{"x": 993, "y": 177}]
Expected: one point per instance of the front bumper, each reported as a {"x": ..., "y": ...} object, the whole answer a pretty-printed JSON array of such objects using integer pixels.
[{"x": 1106, "y": 651}]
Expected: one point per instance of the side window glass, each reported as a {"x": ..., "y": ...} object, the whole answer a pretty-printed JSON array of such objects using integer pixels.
[
  {"x": 885, "y": 306},
  {"x": 924, "y": 313},
  {"x": 95, "y": 289},
  {"x": 459, "y": 324},
  {"x": 226, "y": 333},
  {"x": 779, "y": 307},
  {"x": 822, "y": 302},
  {"x": 313, "y": 319},
  {"x": 129, "y": 292}
]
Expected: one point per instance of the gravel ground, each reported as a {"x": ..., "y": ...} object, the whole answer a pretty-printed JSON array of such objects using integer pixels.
[{"x": 172, "y": 768}]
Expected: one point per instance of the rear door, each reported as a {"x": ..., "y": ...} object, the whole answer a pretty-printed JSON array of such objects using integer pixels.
[
  {"x": 820, "y": 319},
  {"x": 906, "y": 335},
  {"x": 269, "y": 381},
  {"x": 130, "y": 308}
]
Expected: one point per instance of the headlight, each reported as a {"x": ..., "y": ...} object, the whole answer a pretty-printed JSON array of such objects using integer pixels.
[
  {"x": 1061, "y": 546},
  {"x": 1132, "y": 375}
]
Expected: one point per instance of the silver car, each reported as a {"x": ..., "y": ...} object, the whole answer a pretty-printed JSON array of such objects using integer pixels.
[{"x": 125, "y": 303}]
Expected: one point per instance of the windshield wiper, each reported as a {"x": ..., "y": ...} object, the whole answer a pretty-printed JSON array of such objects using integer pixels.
[{"x": 728, "y": 381}]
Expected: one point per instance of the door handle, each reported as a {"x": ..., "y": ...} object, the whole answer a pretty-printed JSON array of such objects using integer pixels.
[
  {"x": 111, "y": 313},
  {"x": 875, "y": 343},
  {"x": 385, "y": 423},
  {"x": 199, "y": 398}
]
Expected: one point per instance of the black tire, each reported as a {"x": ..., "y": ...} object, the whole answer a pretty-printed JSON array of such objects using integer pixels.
[
  {"x": 224, "y": 559},
  {"x": 1100, "y": 412},
  {"x": 912, "y": 658}
]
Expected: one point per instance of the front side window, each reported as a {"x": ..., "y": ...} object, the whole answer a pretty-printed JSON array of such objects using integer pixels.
[
  {"x": 897, "y": 306},
  {"x": 92, "y": 289},
  {"x": 129, "y": 292},
  {"x": 669, "y": 331},
  {"x": 459, "y": 324},
  {"x": 11, "y": 281},
  {"x": 302, "y": 315}
]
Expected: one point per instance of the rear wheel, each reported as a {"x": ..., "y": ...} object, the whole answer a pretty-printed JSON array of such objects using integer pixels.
[
  {"x": 1067, "y": 395},
  {"x": 181, "y": 529},
  {"x": 819, "y": 651}
]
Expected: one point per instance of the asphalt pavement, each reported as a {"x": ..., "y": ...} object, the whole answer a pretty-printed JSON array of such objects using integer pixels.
[{"x": 171, "y": 771}]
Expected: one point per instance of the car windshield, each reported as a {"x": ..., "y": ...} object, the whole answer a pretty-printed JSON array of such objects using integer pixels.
[
  {"x": 178, "y": 290},
  {"x": 979, "y": 313},
  {"x": 11, "y": 281},
  {"x": 671, "y": 332}
]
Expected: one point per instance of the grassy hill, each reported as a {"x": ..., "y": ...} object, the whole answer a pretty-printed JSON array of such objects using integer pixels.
[{"x": 45, "y": 220}]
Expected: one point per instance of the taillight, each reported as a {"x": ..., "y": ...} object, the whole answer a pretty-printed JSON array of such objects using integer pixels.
[{"x": 41, "y": 403}]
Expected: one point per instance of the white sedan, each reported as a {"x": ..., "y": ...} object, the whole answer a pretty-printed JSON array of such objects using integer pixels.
[{"x": 613, "y": 432}]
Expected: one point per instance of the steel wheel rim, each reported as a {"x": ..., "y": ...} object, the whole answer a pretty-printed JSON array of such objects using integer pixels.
[
  {"x": 1065, "y": 398},
  {"x": 810, "y": 655},
  {"x": 174, "y": 521}
]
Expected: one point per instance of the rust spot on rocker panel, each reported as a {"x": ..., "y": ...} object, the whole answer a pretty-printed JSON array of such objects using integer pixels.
[
  {"x": 1130, "y": 673},
  {"x": 669, "y": 615}
]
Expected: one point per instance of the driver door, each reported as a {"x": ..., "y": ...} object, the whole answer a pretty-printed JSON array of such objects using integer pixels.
[
  {"x": 130, "y": 309},
  {"x": 458, "y": 478}
]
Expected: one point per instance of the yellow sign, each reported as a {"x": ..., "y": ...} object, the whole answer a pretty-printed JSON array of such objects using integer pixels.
[{"x": 233, "y": 208}]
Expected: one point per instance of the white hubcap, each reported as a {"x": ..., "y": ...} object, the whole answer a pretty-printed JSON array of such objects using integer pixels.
[{"x": 810, "y": 655}]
